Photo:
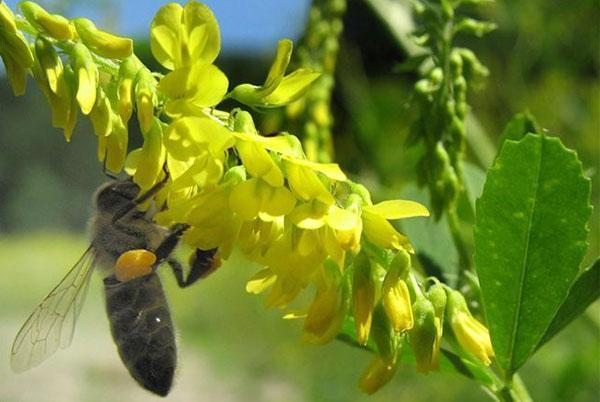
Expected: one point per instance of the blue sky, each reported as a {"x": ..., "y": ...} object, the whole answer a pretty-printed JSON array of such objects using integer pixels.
[{"x": 246, "y": 25}]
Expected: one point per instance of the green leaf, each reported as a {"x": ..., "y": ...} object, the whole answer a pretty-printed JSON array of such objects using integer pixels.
[
  {"x": 530, "y": 238},
  {"x": 584, "y": 292},
  {"x": 474, "y": 178},
  {"x": 520, "y": 124}
]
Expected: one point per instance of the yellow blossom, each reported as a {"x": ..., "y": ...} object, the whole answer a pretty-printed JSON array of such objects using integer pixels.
[
  {"x": 472, "y": 335},
  {"x": 49, "y": 72},
  {"x": 86, "y": 74},
  {"x": 145, "y": 164},
  {"x": 377, "y": 228},
  {"x": 112, "y": 149},
  {"x": 190, "y": 89},
  {"x": 145, "y": 98},
  {"x": 189, "y": 137},
  {"x": 278, "y": 89},
  {"x": 363, "y": 293},
  {"x": 326, "y": 312},
  {"x": 56, "y": 26},
  {"x": 182, "y": 36},
  {"x": 14, "y": 51},
  {"x": 127, "y": 73},
  {"x": 102, "y": 43},
  {"x": 256, "y": 198},
  {"x": 376, "y": 376}
]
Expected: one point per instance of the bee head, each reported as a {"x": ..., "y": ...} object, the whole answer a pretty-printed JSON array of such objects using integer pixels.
[{"x": 113, "y": 195}]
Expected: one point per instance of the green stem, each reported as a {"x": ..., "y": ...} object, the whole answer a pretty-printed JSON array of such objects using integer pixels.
[
  {"x": 464, "y": 255},
  {"x": 515, "y": 391}
]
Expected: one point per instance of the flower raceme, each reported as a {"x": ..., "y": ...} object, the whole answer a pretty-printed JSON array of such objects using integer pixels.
[{"x": 306, "y": 223}]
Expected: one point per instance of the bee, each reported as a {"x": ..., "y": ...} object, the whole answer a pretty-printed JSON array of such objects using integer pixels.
[{"x": 128, "y": 247}]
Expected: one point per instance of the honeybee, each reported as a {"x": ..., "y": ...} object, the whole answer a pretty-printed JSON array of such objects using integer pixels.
[{"x": 128, "y": 247}]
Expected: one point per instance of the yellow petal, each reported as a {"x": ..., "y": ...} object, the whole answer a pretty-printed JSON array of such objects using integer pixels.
[
  {"x": 398, "y": 209},
  {"x": 261, "y": 281}
]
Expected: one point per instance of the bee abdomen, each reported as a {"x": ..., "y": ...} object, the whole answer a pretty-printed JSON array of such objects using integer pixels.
[{"x": 141, "y": 326}]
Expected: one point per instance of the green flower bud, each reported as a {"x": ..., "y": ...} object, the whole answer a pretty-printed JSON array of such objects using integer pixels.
[
  {"x": 437, "y": 296},
  {"x": 363, "y": 293},
  {"x": 425, "y": 336}
]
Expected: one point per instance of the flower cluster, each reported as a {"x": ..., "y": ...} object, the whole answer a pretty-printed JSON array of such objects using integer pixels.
[{"x": 306, "y": 223}]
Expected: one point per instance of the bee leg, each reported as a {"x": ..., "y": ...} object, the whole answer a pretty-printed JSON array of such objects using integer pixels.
[
  {"x": 139, "y": 200},
  {"x": 203, "y": 263}
]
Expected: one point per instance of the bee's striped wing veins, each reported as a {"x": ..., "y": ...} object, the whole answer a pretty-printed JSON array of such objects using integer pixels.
[{"x": 52, "y": 323}]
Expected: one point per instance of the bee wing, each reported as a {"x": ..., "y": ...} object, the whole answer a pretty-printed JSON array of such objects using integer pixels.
[{"x": 52, "y": 323}]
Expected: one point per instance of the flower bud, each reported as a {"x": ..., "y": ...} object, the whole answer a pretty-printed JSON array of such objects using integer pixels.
[
  {"x": 363, "y": 296},
  {"x": 437, "y": 296},
  {"x": 48, "y": 71},
  {"x": 145, "y": 98},
  {"x": 376, "y": 376},
  {"x": 14, "y": 51},
  {"x": 326, "y": 313},
  {"x": 127, "y": 73},
  {"x": 384, "y": 336},
  {"x": 56, "y": 26},
  {"x": 472, "y": 335},
  {"x": 86, "y": 74},
  {"x": 396, "y": 300},
  {"x": 425, "y": 336},
  {"x": 101, "y": 115},
  {"x": 102, "y": 43}
]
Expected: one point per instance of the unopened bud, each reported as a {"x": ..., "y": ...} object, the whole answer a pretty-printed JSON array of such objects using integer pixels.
[{"x": 103, "y": 43}]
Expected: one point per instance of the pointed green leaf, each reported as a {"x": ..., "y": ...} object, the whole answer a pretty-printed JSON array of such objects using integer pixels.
[
  {"x": 584, "y": 292},
  {"x": 530, "y": 238},
  {"x": 519, "y": 125}
]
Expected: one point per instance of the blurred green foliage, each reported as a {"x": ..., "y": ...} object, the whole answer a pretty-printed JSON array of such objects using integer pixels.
[{"x": 544, "y": 57}]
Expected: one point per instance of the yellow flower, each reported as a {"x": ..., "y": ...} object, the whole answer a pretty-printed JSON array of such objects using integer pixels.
[
  {"x": 14, "y": 51},
  {"x": 102, "y": 43},
  {"x": 101, "y": 114},
  {"x": 472, "y": 335},
  {"x": 190, "y": 89},
  {"x": 327, "y": 310},
  {"x": 396, "y": 300},
  {"x": 189, "y": 137},
  {"x": 127, "y": 72},
  {"x": 56, "y": 26},
  {"x": 363, "y": 294},
  {"x": 86, "y": 74},
  {"x": 377, "y": 228},
  {"x": 376, "y": 376},
  {"x": 145, "y": 98},
  {"x": 256, "y": 198},
  {"x": 112, "y": 149},
  {"x": 48, "y": 71},
  {"x": 257, "y": 236},
  {"x": 306, "y": 184},
  {"x": 183, "y": 36},
  {"x": 279, "y": 89},
  {"x": 146, "y": 164}
]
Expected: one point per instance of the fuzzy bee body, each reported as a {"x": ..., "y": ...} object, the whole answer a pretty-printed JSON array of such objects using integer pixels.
[
  {"x": 141, "y": 327},
  {"x": 137, "y": 308}
]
